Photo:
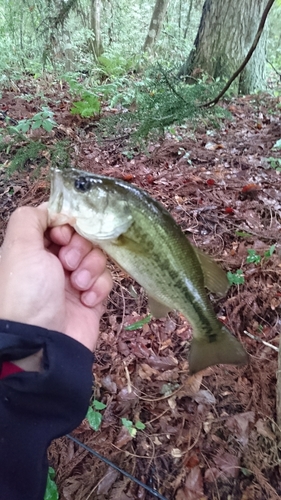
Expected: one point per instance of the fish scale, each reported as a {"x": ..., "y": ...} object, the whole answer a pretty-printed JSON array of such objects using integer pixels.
[{"x": 141, "y": 236}]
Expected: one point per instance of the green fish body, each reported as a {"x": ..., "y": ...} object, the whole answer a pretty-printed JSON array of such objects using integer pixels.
[{"x": 140, "y": 235}]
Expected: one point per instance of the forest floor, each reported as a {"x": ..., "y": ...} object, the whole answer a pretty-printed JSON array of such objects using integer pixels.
[{"x": 212, "y": 435}]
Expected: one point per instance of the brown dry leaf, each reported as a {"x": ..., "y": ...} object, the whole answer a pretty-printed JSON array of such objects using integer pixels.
[
  {"x": 191, "y": 386},
  {"x": 118, "y": 491},
  {"x": 107, "y": 481},
  {"x": 169, "y": 326},
  {"x": 193, "y": 487},
  {"x": 162, "y": 363},
  {"x": 73, "y": 485},
  {"x": 239, "y": 424},
  {"x": 126, "y": 395},
  {"x": 123, "y": 437},
  {"x": 204, "y": 397},
  {"x": 109, "y": 385},
  {"x": 207, "y": 424},
  {"x": 212, "y": 474},
  {"x": 165, "y": 344},
  {"x": 211, "y": 146},
  {"x": 145, "y": 372},
  {"x": 227, "y": 463},
  {"x": 264, "y": 430},
  {"x": 168, "y": 376}
]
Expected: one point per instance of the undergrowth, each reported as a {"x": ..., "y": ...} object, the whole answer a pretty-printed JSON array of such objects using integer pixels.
[
  {"x": 156, "y": 102},
  {"x": 34, "y": 155}
]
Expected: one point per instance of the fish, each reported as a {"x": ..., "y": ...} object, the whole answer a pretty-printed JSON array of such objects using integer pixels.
[{"x": 143, "y": 239}]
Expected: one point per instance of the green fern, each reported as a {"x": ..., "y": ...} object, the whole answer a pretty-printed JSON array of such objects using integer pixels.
[
  {"x": 89, "y": 106},
  {"x": 115, "y": 65}
]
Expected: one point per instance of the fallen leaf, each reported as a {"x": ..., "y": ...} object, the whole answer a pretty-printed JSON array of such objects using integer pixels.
[
  {"x": 229, "y": 210},
  {"x": 207, "y": 424},
  {"x": 250, "y": 187},
  {"x": 264, "y": 430},
  {"x": 128, "y": 177},
  {"x": 239, "y": 424},
  {"x": 109, "y": 385},
  {"x": 193, "y": 487},
  {"x": 212, "y": 474},
  {"x": 146, "y": 372},
  {"x": 150, "y": 179},
  {"x": 192, "y": 461},
  {"x": 227, "y": 463},
  {"x": 161, "y": 362},
  {"x": 123, "y": 438},
  {"x": 107, "y": 481},
  {"x": 204, "y": 397},
  {"x": 191, "y": 386}
]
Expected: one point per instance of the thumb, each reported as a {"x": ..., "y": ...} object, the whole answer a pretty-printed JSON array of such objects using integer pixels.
[{"x": 27, "y": 226}]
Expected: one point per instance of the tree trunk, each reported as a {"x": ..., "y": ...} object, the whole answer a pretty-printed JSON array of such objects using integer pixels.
[
  {"x": 188, "y": 19},
  {"x": 155, "y": 24},
  {"x": 96, "y": 44},
  {"x": 226, "y": 32}
]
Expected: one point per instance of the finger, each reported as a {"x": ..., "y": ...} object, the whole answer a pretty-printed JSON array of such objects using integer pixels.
[
  {"x": 27, "y": 226},
  {"x": 60, "y": 235},
  {"x": 91, "y": 267},
  {"x": 99, "y": 291},
  {"x": 72, "y": 254}
]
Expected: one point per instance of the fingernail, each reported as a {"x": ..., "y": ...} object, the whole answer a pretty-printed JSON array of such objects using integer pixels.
[
  {"x": 89, "y": 299},
  {"x": 72, "y": 258},
  {"x": 83, "y": 278}
]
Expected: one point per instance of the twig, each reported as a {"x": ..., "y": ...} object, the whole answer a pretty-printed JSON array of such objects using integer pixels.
[
  {"x": 262, "y": 341},
  {"x": 277, "y": 72},
  {"x": 171, "y": 86}
]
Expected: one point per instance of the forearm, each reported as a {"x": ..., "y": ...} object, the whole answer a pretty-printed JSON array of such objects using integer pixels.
[{"x": 38, "y": 406}]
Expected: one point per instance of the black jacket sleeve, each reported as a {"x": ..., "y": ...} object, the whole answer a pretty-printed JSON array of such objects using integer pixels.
[{"x": 38, "y": 407}]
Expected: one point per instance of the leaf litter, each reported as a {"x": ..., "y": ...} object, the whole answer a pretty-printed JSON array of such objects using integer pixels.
[{"x": 213, "y": 435}]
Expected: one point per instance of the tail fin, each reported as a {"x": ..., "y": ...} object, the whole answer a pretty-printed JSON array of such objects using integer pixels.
[{"x": 226, "y": 350}]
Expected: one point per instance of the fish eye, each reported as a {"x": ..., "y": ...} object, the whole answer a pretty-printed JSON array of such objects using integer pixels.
[{"x": 82, "y": 184}]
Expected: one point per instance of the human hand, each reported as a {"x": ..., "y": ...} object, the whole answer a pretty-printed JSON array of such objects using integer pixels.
[{"x": 52, "y": 278}]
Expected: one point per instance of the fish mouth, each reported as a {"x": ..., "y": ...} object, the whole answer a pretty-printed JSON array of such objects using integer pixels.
[
  {"x": 57, "y": 207},
  {"x": 56, "y": 195}
]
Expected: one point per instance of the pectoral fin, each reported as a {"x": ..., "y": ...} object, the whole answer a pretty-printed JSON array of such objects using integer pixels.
[
  {"x": 215, "y": 278},
  {"x": 130, "y": 244},
  {"x": 157, "y": 309}
]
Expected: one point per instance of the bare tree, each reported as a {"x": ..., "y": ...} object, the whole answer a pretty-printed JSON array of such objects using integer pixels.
[
  {"x": 155, "y": 24},
  {"x": 96, "y": 43}
]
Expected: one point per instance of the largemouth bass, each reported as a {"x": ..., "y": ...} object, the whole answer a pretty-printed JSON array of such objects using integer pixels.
[{"x": 140, "y": 235}]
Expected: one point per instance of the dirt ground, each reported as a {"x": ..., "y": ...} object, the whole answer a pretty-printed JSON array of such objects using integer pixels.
[{"x": 212, "y": 435}]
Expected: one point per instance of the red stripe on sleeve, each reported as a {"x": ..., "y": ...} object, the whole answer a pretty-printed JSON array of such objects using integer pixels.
[{"x": 9, "y": 368}]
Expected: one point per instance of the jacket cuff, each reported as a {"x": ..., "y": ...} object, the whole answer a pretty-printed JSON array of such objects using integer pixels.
[{"x": 62, "y": 390}]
